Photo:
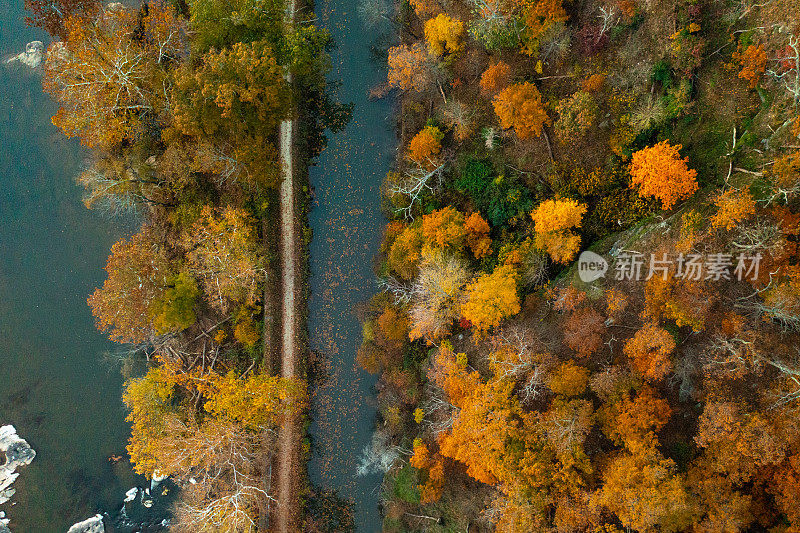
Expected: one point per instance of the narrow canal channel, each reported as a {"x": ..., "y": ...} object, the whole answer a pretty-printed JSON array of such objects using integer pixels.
[{"x": 347, "y": 224}]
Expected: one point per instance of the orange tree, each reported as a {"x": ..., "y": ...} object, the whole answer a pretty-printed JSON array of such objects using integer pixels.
[
  {"x": 425, "y": 146},
  {"x": 408, "y": 67},
  {"x": 138, "y": 276},
  {"x": 659, "y": 171},
  {"x": 519, "y": 106},
  {"x": 649, "y": 351},
  {"x": 496, "y": 77}
]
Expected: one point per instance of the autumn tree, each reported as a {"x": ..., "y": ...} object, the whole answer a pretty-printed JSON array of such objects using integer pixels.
[
  {"x": 165, "y": 30},
  {"x": 433, "y": 467},
  {"x": 425, "y": 8},
  {"x": 124, "y": 184},
  {"x": 539, "y": 16},
  {"x": 634, "y": 420},
  {"x": 409, "y": 68},
  {"x": 405, "y": 251},
  {"x": 738, "y": 443},
  {"x": 646, "y": 492},
  {"x": 257, "y": 402},
  {"x": 489, "y": 416},
  {"x": 660, "y": 172},
  {"x": 235, "y": 100},
  {"x": 650, "y": 350},
  {"x": 425, "y": 147},
  {"x": 569, "y": 379},
  {"x": 583, "y": 331},
  {"x": 150, "y": 399},
  {"x": 50, "y": 15},
  {"x": 443, "y": 229},
  {"x": 437, "y": 295},
  {"x": 220, "y": 474},
  {"x": 553, "y": 221},
  {"x": 223, "y": 252},
  {"x": 491, "y": 298},
  {"x": 782, "y": 300},
  {"x": 576, "y": 114},
  {"x": 460, "y": 117},
  {"x": 733, "y": 207},
  {"x": 725, "y": 508},
  {"x": 567, "y": 423},
  {"x": 444, "y": 34},
  {"x": 103, "y": 79},
  {"x": 519, "y": 106},
  {"x": 753, "y": 62},
  {"x": 495, "y": 78},
  {"x": 478, "y": 239},
  {"x": 138, "y": 276}
]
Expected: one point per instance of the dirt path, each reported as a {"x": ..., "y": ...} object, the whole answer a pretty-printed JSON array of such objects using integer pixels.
[{"x": 288, "y": 435}]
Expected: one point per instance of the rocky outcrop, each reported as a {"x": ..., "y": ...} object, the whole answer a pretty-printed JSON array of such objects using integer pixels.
[
  {"x": 32, "y": 56},
  {"x": 18, "y": 453},
  {"x": 90, "y": 525}
]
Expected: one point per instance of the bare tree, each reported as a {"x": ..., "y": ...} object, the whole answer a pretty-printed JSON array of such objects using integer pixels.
[
  {"x": 413, "y": 184},
  {"x": 786, "y": 69}
]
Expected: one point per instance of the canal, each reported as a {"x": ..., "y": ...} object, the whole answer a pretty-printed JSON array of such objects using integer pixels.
[{"x": 347, "y": 224}]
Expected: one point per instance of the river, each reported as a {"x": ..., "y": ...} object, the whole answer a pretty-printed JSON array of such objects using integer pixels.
[
  {"x": 54, "y": 387},
  {"x": 347, "y": 224}
]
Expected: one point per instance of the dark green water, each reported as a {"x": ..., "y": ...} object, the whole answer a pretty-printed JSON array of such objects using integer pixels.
[
  {"x": 54, "y": 386},
  {"x": 347, "y": 225}
]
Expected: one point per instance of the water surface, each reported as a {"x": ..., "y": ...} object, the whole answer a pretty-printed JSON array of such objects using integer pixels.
[
  {"x": 54, "y": 386},
  {"x": 347, "y": 226}
]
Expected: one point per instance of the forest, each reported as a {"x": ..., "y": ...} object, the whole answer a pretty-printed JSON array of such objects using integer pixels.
[
  {"x": 519, "y": 394},
  {"x": 178, "y": 104}
]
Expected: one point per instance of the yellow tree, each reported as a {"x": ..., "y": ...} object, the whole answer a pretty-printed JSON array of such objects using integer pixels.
[
  {"x": 257, "y": 402},
  {"x": 569, "y": 379},
  {"x": 659, "y": 171},
  {"x": 553, "y": 221},
  {"x": 646, "y": 493},
  {"x": 437, "y": 292},
  {"x": 443, "y": 229},
  {"x": 405, "y": 251},
  {"x": 519, "y": 106},
  {"x": 491, "y": 298},
  {"x": 444, "y": 34},
  {"x": 223, "y": 252}
]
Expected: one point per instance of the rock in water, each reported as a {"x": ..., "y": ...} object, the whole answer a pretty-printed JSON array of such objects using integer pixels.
[
  {"x": 32, "y": 56},
  {"x": 91, "y": 525},
  {"x": 18, "y": 453}
]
